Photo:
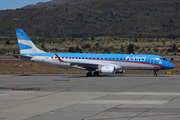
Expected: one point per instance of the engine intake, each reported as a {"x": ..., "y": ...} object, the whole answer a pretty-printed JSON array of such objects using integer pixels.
[{"x": 107, "y": 70}]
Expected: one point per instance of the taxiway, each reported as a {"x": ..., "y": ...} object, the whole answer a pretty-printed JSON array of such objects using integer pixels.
[{"x": 76, "y": 97}]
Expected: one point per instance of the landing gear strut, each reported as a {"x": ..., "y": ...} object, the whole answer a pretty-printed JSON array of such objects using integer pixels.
[{"x": 155, "y": 74}]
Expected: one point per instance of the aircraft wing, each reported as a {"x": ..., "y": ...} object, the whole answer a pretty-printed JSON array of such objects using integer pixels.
[
  {"x": 90, "y": 67},
  {"x": 86, "y": 66}
]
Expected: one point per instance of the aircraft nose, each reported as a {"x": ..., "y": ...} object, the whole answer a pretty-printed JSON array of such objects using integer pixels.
[{"x": 171, "y": 66}]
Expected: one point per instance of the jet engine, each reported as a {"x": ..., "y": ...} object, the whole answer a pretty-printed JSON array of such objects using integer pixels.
[{"x": 107, "y": 70}]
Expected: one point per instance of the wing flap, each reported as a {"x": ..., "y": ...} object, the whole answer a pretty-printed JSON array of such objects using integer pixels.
[{"x": 85, "y": 66}]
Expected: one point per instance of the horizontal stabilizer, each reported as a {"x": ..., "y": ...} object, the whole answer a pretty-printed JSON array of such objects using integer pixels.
[{"x": 24, "y": 57}]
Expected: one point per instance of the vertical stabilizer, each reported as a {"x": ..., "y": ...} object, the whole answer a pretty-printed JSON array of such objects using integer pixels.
[{"x": 25, "y": 44}]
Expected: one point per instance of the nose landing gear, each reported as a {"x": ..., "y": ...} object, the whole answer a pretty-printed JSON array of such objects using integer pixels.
[{"x": 155, "y": 74}]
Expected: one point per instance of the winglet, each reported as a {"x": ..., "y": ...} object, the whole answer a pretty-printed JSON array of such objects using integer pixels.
[{"x": 60, "y": 60}]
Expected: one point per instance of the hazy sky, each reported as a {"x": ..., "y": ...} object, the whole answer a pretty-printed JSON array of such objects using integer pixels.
[{"x": 13, "y": 4}]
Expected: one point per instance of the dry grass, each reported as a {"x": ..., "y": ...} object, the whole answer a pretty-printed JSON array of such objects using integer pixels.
[
  {"x": 157, "y": 46},
  {"x": 25, "y": 67}
]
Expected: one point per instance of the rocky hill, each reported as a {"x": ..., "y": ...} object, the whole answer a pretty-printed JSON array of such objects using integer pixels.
[
  {"x": 54, "y": 3},
  {"x": 126, "y": 18}
]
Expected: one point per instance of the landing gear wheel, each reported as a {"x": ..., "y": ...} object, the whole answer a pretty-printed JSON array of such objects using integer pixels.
[
  {"x": 89, "y": 74},
  {"x": 96, "y": 73},
  {"x": 155, "y": 74}
]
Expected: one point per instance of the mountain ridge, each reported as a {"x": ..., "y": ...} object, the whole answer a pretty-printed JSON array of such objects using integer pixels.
[
  {"x": 54, "y": 3},
  {"x": 130, "y": 18}
]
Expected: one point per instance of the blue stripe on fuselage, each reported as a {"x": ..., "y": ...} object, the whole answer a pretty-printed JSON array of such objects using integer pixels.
[{"x": 94, "y": 55}]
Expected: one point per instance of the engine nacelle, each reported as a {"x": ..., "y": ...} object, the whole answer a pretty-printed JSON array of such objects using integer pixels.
[
  {"x": 107, "y": 70},
  {"x": 120, "y": 71}
]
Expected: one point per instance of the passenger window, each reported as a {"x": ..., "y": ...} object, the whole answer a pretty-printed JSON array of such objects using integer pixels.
[
  {"x": 124, "y": 58},
  {"x": 120, "y": 58},
  {"x": 98, "y": 58},
  {"x": 109, "y": 58}
]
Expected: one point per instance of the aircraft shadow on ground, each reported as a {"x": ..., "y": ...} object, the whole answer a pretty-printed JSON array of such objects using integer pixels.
[
  {"x": 119, "y": 76},
  {"x": 77, "y": 76}
]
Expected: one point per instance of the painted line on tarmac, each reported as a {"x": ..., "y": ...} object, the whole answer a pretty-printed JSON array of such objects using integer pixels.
[
  {"x": 63, "y": 81},
  {"x": 124, "y": 102},
  {"x": 17, "y": 94},
  {"x": 137, "y": 116},
  {"x": 145, "y": 93},
  {"x": 46, "y": 95},
  {"x": 27, "y": 89},
  {"x": 5, "y": 94}
]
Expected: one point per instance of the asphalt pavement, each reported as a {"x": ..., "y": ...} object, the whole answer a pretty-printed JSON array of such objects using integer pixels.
[{"x": 77, "y": 97}]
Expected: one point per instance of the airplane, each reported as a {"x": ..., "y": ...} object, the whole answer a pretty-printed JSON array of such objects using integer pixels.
[{"x": 92, "y": 62}]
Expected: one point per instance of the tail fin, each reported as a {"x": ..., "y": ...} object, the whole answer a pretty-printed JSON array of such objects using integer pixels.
[{"x": 25, "y": 44}]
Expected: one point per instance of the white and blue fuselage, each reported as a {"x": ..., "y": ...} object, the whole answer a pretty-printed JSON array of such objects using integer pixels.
[{"x": 100, "y": 63}]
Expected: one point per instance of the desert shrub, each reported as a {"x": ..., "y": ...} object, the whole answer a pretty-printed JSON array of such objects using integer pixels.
[
  {"x": 86, "y": 46},
  {"x": 130, "y": 48},
  {"x": 106, "y": 50},
  {"x": 8, "y": 42},
  {"x": 170, "y": 50},
  {"x": 71, "y": 49}
]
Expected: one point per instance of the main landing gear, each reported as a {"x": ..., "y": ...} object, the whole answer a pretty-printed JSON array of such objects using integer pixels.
[
  {"x": 89, "y": 74},
  {"x": 155, "y": 74},
  {"x": 94, "y": 74}
]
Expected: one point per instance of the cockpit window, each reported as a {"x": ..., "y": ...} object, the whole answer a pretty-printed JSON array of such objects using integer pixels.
[{"x": 161, "y": 59}]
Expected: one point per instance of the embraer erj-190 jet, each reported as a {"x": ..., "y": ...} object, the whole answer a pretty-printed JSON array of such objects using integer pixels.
[{"x": 96, "y": 63}]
